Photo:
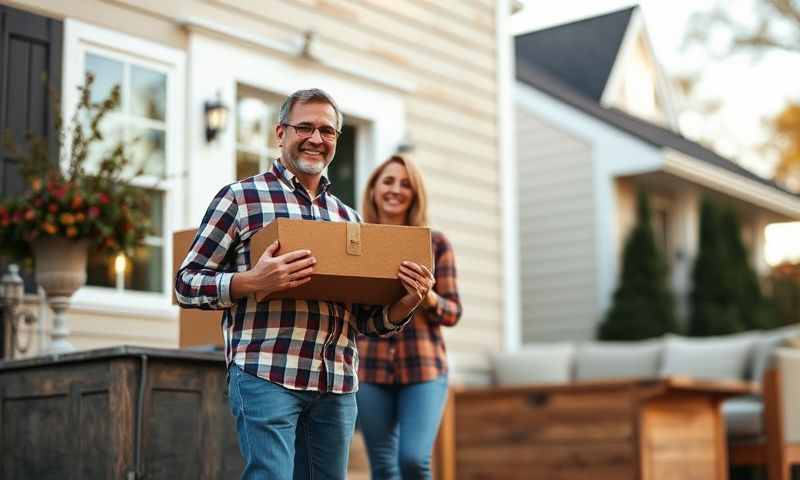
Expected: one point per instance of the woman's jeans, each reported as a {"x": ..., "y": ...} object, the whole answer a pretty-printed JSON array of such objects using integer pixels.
[
  {"x": 400, "y": 423},
  {"x": 286, "y": 434}
]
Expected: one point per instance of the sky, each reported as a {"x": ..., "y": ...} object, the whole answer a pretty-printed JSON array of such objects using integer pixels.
[{"x": 751, "y": 91}]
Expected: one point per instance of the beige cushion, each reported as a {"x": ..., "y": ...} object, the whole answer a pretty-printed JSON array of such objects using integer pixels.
[
  {"x": 744, "y": 417},
  {"x": 788, "y": 361},
  {"x": 610, "y": 360},
  {"x": 766, "y": 345},
  {"x": 535, "y": 363},
  {"x": 725, "y": 357}
]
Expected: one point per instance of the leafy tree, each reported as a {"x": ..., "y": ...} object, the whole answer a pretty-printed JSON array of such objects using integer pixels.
[
  {"x": 643, "y": 304},
  {"x": 785, "y": 284},
  {"x": 786, "y": 133},
  {"x": 773, "y": 27}
]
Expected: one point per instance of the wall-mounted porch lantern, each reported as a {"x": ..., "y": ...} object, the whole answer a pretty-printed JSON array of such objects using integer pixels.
[
  {"x": 216, "y": 114},
  {"x": 12, "y": 291}
]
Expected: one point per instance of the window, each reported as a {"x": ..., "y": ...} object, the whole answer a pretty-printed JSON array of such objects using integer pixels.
[
  {"x": 139, "y": 122},
  {"x": 257, "y": 114},
  {"x": 256, "y": 145},
  {"x": 149, "y": 120}
]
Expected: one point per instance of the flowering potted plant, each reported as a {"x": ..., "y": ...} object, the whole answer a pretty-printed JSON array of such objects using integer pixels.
[{"x": 85, "y": 200}]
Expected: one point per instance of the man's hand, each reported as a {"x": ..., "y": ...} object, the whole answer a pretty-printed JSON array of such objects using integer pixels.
[
  {"x": 274, "y": 273},
  {"x": 418, "y": 281}
]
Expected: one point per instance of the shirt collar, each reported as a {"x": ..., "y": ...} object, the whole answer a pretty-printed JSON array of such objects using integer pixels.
[{"x": 291, "y": 180}]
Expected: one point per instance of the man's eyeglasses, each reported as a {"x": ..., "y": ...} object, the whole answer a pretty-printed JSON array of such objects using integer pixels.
[{"x": 305, "y": 131}]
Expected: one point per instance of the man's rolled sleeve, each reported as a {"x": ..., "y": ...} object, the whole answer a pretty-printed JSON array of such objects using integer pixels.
[
  {"x": 204, "y": 280},
  {"x": 224, "y": 299}
]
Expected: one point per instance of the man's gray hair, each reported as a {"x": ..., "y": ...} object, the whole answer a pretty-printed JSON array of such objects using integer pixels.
[{"x": 312, "y": 95}]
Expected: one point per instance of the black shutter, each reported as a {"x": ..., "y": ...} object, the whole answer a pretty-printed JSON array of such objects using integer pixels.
[{"x": 30, "y": 66}]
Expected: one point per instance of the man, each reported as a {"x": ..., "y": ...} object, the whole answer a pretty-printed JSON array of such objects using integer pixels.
[{"x": 292, "y": 363}]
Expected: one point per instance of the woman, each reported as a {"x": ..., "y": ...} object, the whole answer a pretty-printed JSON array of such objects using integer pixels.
[{"x": 403, "y": 378}]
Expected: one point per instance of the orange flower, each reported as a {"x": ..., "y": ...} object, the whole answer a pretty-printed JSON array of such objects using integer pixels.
[
  {"x": 71, "y": 232},
  {"x": 49, "y": 228},
  {"x": 77, "y": 201},
  {"x": 30, "y": 214},
  {"x": 67, "y": 219},
  {"x": 79, "y": 217},
  {"x": 36, "y": 184}
]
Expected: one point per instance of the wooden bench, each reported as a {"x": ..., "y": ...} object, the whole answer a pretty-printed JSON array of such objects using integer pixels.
[
  {"x": 779, "y": 448},
  {"x": 632, "y": 429}
]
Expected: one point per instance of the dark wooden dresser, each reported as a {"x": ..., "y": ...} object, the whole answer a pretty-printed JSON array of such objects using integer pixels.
[{"x": 119, "y": 413}]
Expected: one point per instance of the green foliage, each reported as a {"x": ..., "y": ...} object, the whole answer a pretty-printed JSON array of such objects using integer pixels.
[
  {"x": 726, "y": 296},
  {"x": 784, "y": 281},
  {"x": 99, "y": 204},
  {"x": 643, "y": 304}
]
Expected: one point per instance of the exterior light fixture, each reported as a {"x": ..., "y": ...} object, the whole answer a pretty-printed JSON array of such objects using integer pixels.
[
  {"x": 216, "y": 114},
  {"x": 12, "y": 291}
]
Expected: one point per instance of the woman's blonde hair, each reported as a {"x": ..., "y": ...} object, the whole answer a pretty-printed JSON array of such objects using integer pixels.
[{"x": 417, "y": 215}]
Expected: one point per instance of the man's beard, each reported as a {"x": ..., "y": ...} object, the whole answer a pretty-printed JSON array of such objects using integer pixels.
[{"x": 310, "y": 168}]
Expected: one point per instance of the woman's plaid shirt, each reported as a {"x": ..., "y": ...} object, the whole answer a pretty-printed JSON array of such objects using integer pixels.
[
  {"x": 417, "y": 353},
  {"x": 299, "y": 344}
]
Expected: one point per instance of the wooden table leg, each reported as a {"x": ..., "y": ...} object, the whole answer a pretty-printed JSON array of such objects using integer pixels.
[{"x": 682, "y": 436}]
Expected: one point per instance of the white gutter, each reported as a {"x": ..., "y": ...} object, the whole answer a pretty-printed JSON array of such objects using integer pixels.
[
  {"x": 730, "y": 183},
  {"x": 512, "y": 326}
]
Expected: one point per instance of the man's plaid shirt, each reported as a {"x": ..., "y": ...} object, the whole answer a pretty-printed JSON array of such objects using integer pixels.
[
  {"x": 299, "y": 344},
  {"x": 417, "y": 353}
]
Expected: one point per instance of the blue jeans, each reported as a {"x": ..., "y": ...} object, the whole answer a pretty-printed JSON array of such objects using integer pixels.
[
  {"x": 286, "y": 434},
  {"x": 400, "y": 423}
]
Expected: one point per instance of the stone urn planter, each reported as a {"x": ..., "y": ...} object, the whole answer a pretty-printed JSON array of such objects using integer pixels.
[{"x": 60, "y": 271}]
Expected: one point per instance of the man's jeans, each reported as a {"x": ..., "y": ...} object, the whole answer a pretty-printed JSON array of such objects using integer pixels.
[
  {"x": 286, "y": 434},
  {"x": 400, "y": 423}
]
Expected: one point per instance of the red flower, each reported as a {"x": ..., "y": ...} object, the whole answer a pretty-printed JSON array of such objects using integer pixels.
[
  {"x": 52, "y": 208},
  {"x": 94, "y": 212},
  {"x": 103, "y": 198},
  {"x": 77, "y": 201}
]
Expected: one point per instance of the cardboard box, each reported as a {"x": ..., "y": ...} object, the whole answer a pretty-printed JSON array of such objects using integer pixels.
[
  {"x": 196, "y": 328},
  {"x": 356, "y": 263}
]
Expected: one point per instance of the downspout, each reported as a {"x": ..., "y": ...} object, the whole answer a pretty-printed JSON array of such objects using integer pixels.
[{"x": 512, "y": 327}]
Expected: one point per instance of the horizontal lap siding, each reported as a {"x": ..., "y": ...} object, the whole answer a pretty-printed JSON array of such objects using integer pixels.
[
  {"x": 447, "y": 48},
  {"x": 557, "y": 232}
]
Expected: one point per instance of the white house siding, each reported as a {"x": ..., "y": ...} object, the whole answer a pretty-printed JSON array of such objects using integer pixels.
[
  {"x": 557, "y": 232},
  {"x": 446, "y": 50}
]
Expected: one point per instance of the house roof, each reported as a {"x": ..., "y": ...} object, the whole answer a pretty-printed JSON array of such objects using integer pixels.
[
  {"x": 581, "y": 54},
  {"x": 642, "y": 129},
  {"x": 550, "y": 74}
]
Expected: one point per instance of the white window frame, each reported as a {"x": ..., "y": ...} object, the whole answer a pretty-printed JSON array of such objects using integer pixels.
[{"x": 80, "y": 38}]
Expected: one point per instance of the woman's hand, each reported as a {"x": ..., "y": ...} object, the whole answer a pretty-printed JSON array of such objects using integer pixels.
[{"x": 418, "y": 281}]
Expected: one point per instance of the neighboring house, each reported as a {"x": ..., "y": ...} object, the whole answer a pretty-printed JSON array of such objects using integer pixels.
[
  {"x": 594, "y": 124},
  {"x": 409, "y": 71}
]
